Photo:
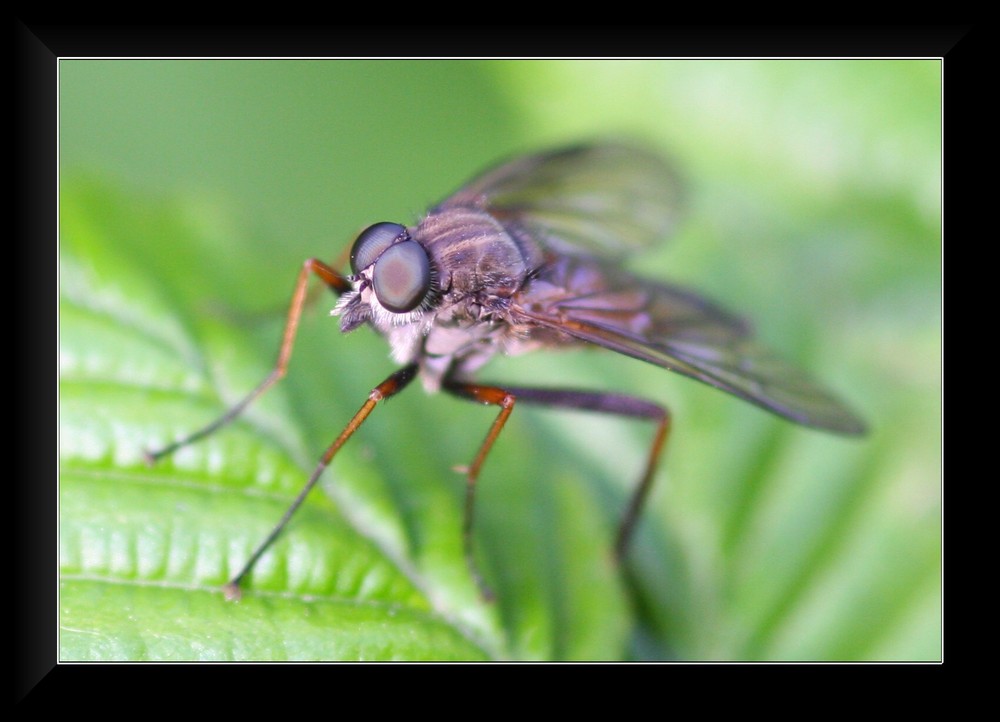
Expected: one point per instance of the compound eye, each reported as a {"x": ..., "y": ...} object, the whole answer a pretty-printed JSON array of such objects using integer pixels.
[
  {"x": 402, "y": 277},
  {"x": 372, "y": 242}
]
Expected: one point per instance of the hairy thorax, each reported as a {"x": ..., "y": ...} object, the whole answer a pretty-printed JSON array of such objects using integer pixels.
[{"x": 479, "y": 268}]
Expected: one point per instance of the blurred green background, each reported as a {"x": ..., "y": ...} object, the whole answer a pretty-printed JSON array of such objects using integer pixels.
[{"x": 191, "y": 192}]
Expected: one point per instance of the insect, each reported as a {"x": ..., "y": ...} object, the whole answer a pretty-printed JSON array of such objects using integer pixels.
[{"x": 526, "y": 257}]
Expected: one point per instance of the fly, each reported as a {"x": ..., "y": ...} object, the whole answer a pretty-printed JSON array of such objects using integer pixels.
[{"x": 526, "y": 257}]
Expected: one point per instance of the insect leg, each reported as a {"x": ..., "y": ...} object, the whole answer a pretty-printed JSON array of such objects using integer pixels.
[
  {"x": 391, "y": 386},
  {"x": 495, "y": 396},
  {"x": 619, "y": 405},
  {"x": 337, "y": 283}
]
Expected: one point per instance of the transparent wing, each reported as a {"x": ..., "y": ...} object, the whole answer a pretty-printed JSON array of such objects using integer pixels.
[
  {"x": 680, "y": 331},
  {"x": 605, "y": 199}
]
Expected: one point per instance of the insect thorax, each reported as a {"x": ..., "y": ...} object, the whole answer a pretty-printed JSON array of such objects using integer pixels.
[{"x": 474, "y": 254}]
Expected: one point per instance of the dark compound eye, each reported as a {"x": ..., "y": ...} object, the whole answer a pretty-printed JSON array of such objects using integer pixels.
[
  {"x": 402, "y": 277},
  {"x": 372, "y": 242}
]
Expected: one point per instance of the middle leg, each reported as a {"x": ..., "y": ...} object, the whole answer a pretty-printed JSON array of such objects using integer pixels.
[{"x": 602, "y": 402}]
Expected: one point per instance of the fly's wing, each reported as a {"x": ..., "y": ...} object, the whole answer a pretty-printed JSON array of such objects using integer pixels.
[
  {"x": 602, "y": 199},
  {"x": 680, "y": 331}
]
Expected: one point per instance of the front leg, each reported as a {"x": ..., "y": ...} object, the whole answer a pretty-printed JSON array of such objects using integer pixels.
[{"x": 336, "y": 283}]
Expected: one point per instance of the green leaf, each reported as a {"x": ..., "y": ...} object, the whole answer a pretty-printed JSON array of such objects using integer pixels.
[{"x": 379, "y": 569}]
